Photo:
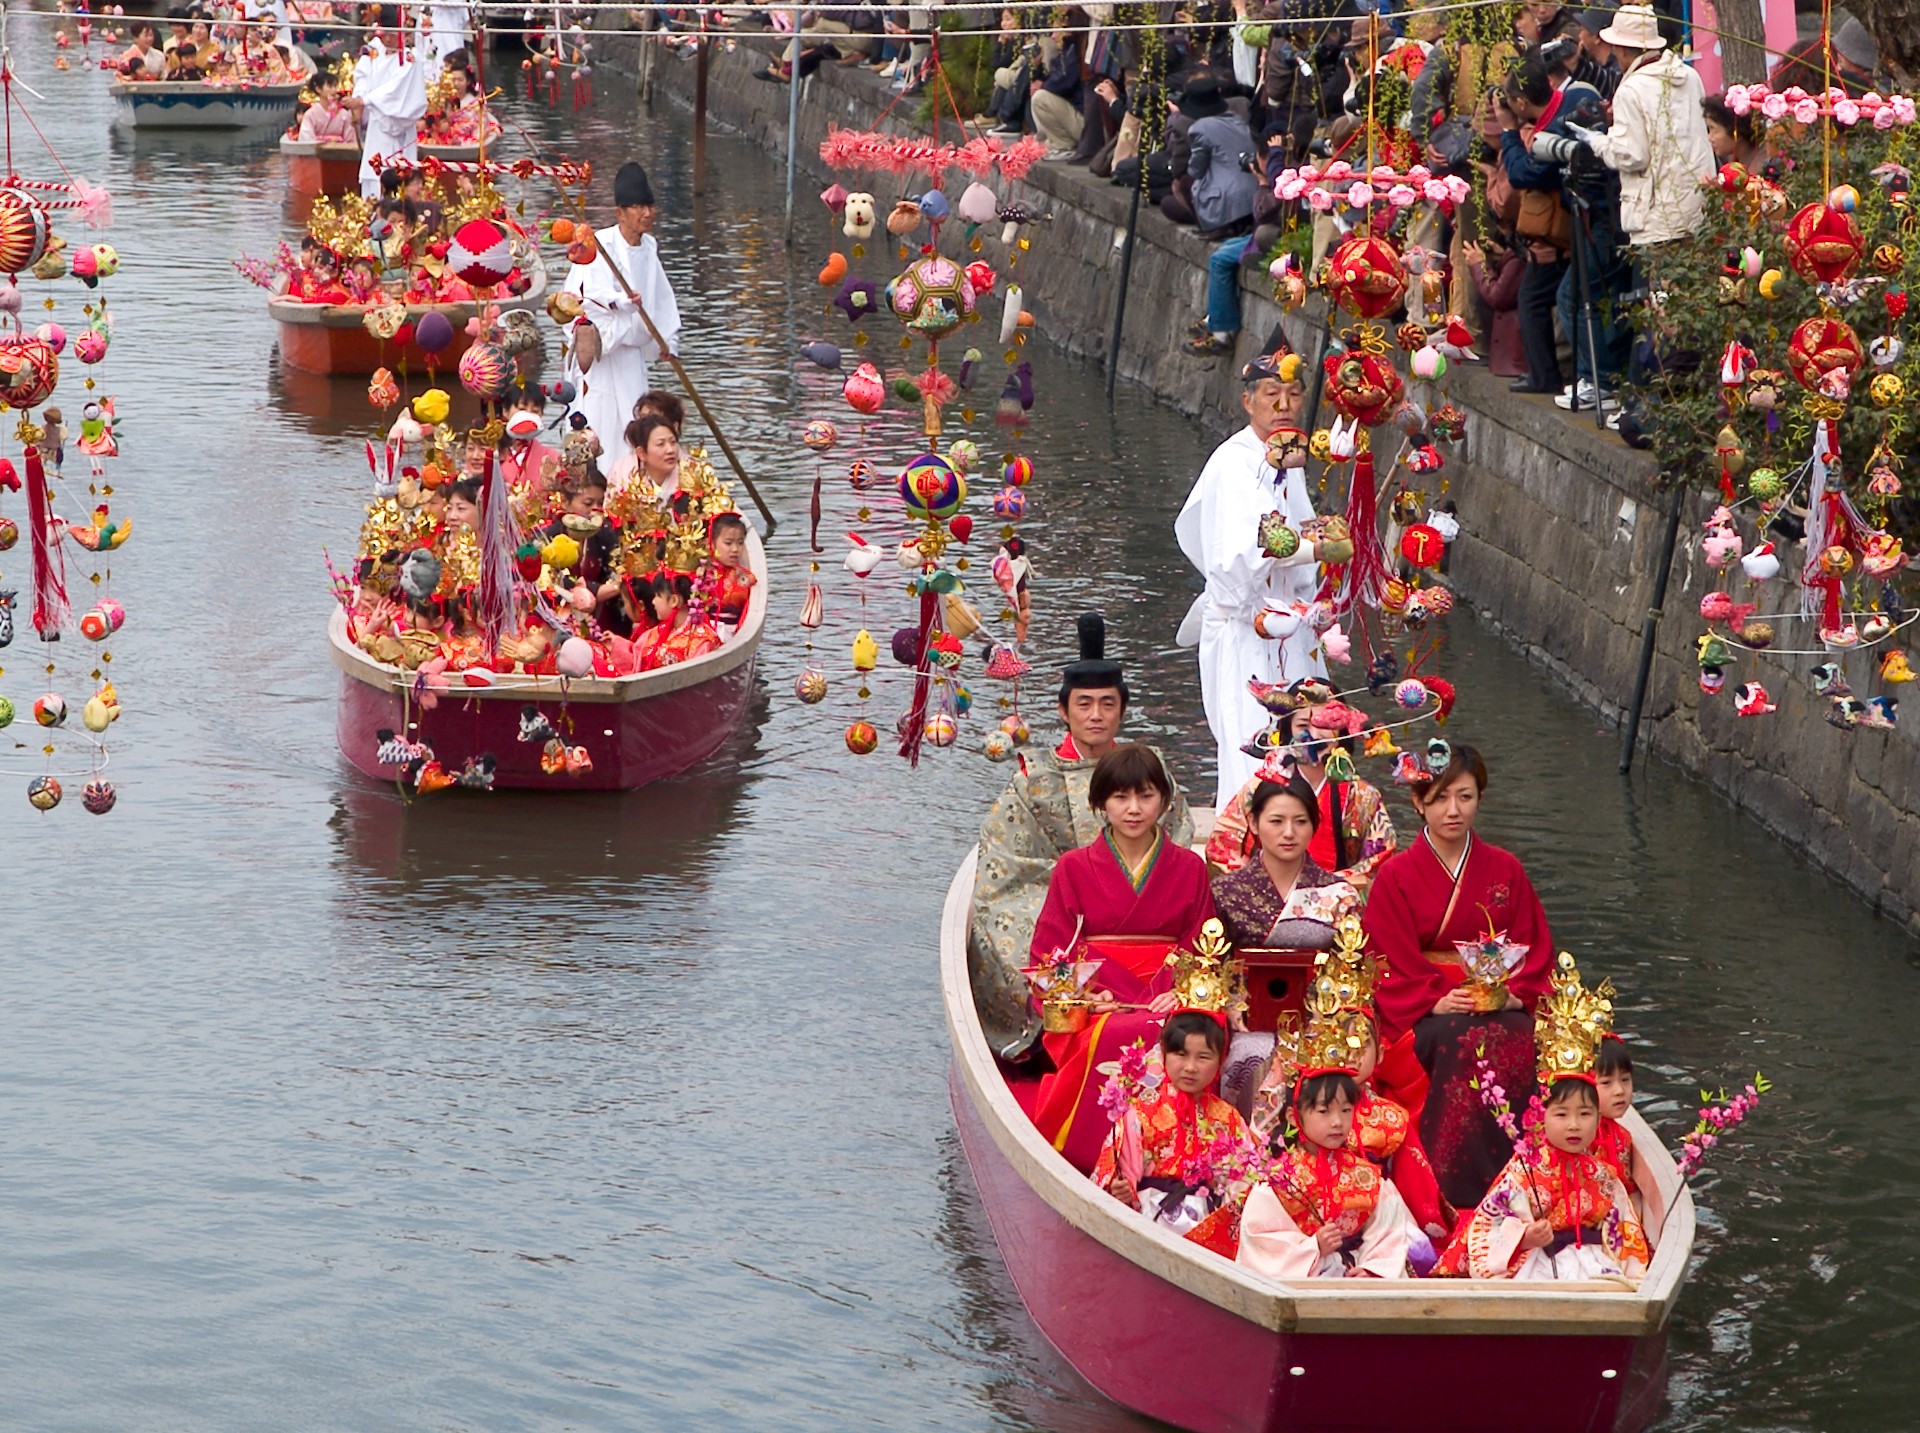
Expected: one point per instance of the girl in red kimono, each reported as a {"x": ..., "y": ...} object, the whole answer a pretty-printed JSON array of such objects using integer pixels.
[
  {"x": 676, "y": 637},
  {"x": 1180, "y": 1154},
  {"x": 1325, "y": 1211},
  {"x": 1556, "y": 1211},
  {"x": 1129, "y": 897},
  {"x": 731, "y": 577},
  {"x": 1612, "y": 1145},
  {"x": 1449, "y": 886}
]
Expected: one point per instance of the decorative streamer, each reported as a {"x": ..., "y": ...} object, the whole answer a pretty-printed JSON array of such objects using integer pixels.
[
  {"x": 496, "y": 555},
  {"x": 50, "y": 606}
]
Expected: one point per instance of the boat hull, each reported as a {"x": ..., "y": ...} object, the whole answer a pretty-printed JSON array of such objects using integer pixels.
[
  {"x": 1153, "y": 1347},
  {"x": 333, "y": 338},
  {"x": 1166, "y": 1328},
  {"x": 637, "y": 731},
  {"x": 167, "y": 104}
]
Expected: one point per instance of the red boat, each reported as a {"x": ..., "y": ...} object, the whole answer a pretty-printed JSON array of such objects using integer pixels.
[
  {"x": 333, "y": 338},
  {"x": 635, "y": 729},
  {"x": 1172, "y": 1330}
]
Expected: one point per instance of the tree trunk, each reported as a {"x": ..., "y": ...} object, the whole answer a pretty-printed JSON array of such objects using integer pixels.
[
  {"x": 1743, "y": 49},
  {"x": 1895, "y": 26}
]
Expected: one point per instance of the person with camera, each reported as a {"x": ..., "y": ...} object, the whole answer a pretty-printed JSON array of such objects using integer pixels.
[
  {"x": 1658, "y": 140},
  {"x": 1536, "y": 104}
]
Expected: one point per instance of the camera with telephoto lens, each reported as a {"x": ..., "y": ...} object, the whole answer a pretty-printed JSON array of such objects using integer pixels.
[{"x": 1558, "y": 50}]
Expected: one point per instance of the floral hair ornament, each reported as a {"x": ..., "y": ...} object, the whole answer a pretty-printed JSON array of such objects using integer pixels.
[
  {"x": 1414, "y": 768},
  {"x": 1570, "y": 1023}
]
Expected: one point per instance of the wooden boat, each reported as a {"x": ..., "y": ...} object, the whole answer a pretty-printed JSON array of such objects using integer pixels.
[
  {"x": 1168, "y": 1329},
  {"x": 637, "y": 729},
  {"x": 315, "y": 168},
  {"x": 195, "y": 104},
  {"x": 333, "y": 338}
]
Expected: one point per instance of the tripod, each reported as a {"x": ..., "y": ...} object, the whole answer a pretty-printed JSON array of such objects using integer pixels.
[{"x": 1582, "y": 212}]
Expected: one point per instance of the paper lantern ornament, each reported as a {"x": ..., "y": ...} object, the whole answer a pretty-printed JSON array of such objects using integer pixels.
[
  {"x": 1365, "y": 276},
  {"x": 23, "y": 231},
  {"x": 933, "y": 296},
  {"x": 481, "y": 254},
  {"x": 1823, "y": 244},
  {"x": 931, "y": 488},
  {"x": 1820, "y": 346},
  {"x": 485, "y": 370}
]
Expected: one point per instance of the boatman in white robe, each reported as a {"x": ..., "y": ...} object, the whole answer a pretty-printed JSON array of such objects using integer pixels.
[
  {"x": 443, "y": 29},
  {"x": 390, "y": 91},
  {"x": 610, "y": 344},
  {"x": 1251, "y": 622}
]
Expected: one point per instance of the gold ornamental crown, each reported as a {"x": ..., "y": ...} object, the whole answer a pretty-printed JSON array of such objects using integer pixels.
[
  {"x": 1348, "y": 971},
  {"x": 1570, "y": 1023},
  {"x": 1207, "y": 977},
  {"x": 342, "y": 230},
  {"x": 1331, "y": 1039}
]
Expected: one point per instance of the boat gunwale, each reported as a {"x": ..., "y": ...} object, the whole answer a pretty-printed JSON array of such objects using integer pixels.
[
  {"x": 1420, "y": 1307},
  {"x": 736, "y": 651}
]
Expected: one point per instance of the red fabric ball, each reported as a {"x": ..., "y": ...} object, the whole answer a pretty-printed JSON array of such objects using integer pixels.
[
  {"x": 1363, "y": 386},
  {"x": 1365, "y": 276},
  {"x": 1819, "y": 346},
  {"x": 1823, "y": 244},
  {"x": 481, "y": 254}
]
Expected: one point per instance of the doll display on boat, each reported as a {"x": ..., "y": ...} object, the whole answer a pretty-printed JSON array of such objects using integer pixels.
[
  {"x": 369, "y": 291},
  {"x": 513, "y": 621},
  {"x": 323, "y": 144},
  {"x": 1241, "y": 1320},
  {"x": 253, "y": 85}
]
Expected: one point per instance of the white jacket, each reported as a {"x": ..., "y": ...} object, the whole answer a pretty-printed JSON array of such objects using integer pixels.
[{"x": 1658, "y": 143}]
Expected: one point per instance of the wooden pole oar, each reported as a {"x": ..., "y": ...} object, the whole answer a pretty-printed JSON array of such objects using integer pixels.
[{"x": 686, "y": 381}]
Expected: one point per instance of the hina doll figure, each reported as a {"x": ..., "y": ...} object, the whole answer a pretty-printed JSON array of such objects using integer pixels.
[
  {"x": 1354, "y": 834},
  {"x": 1180, "y": 1154},
  {"x": 1449, "y": 887},
  {"x": 1280, "y": 900},
  {"x": 1130, "y": 896},
  {"x": 676, "y": 636},
  {"x": 1556, "y": 1211},
  {"x": 1325, "y": 1210},
  {"x": 1041, "y": 815}
]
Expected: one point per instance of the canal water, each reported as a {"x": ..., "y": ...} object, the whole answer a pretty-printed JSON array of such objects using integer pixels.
[{"x": 323, "y": 1110}]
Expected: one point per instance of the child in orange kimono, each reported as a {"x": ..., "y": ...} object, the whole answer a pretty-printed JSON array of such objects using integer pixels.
[
  {"x": 1556, "y": 1211},
  {"x": 1325, "y": 1211},
  {"x": 1177, "y": 1152}
]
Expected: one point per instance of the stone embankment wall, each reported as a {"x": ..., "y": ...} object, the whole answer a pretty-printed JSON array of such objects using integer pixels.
[{"x": 1561, "y": 524}]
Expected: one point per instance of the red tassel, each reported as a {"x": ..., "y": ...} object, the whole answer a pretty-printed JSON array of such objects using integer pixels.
[
  {"x": 1367, "y": 573},
  {"x": 50, "y": 606},
  {"x": 922, "y": 680}
]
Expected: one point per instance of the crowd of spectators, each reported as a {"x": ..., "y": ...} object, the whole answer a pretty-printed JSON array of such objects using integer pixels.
[{"x": 1583, "y": 134}]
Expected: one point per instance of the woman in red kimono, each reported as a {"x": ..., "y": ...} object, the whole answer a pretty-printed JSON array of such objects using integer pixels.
[
  {"x": 1448, "y": 886},
  {"x": 1129, "y": 897}
]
